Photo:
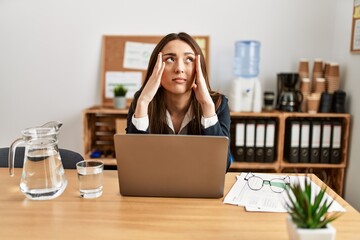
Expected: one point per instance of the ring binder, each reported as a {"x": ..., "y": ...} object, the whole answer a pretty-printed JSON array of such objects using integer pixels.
[
  {"x": 260, "y": 141},
  {"x": 250, "y": 141},
  {"x": 240, "y": 141},
  {"x": 270, "y": 141},
  {"x": 304, "y": 142},
  {"x": 295, "y": 141},
  {"x": 325, "y": 142},
  {"x": 315, "y": 142},
  {"x": 335, "y": 156}
]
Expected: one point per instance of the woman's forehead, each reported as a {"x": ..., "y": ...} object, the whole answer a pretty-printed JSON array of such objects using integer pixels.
[{"x": 177, "y": 46}]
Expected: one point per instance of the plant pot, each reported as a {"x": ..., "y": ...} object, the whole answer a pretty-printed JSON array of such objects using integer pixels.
[
  {"x": 296, "y": 233},
  {"x": 120, "y": 102}
]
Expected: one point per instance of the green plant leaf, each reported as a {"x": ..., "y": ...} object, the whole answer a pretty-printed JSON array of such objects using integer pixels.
[{"x": 304, "y": 212}]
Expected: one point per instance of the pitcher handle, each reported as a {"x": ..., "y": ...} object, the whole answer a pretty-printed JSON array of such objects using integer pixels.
[{"x": 11, "y": 158}]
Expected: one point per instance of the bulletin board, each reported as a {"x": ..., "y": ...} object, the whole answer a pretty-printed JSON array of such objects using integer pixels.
[
  {"x": 355, "y": 31},
  {"x": 124, "y": 60}
]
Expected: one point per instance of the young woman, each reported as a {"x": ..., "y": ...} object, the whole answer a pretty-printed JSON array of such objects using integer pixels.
[{"x": 176, "y": 97}]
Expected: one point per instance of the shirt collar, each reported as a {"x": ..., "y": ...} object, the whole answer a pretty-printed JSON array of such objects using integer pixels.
[{"x": 188, "y": 117}]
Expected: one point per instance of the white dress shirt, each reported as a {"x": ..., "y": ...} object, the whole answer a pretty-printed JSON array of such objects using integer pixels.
[{"x": 142, "y": 123}]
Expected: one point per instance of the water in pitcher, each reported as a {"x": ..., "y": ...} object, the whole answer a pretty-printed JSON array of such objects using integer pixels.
[{"x": 43, "y": 174}]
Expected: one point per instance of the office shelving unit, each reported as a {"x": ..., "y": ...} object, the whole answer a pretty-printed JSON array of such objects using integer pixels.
[
  {"x": 332, "y": 174},
  {"x": 101, "y": 123}
]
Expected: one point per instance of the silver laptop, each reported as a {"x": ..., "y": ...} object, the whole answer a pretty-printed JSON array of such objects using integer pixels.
[{"x": 171, "y": 165}]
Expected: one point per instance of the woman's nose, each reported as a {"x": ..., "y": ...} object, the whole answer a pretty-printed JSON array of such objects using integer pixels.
[{"x": 179, "y": 67}]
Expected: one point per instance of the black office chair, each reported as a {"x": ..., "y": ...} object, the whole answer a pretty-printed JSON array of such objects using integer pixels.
[{"x": 69, "y": 158}]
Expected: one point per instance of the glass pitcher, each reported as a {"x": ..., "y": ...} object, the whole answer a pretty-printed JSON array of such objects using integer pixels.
[{"x": 43, "y": 173}]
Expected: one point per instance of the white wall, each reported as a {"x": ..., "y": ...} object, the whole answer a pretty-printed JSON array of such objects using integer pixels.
[
  {"x": 350, "y": 76},
  {"x": 50, "y": 50}
]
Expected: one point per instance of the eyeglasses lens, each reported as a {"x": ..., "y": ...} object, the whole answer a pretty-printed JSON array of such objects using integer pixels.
[
  {"x": 277, "y": 185},
  {"x": 255, "y": 183}
]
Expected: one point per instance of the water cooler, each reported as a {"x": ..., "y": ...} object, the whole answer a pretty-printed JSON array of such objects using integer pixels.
[{"x": 245, "y": 93}]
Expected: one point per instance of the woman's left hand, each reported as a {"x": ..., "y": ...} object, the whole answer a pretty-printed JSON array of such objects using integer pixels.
[{"x": 201, "y": 91}]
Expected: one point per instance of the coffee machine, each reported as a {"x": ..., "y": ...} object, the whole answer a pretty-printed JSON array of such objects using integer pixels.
[{"x": 289, "y": 97}]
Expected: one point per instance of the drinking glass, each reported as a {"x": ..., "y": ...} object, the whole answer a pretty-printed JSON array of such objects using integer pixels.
[{"x": 90, "y": 176}]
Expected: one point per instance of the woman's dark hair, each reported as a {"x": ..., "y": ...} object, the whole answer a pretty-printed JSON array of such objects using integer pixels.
[{"x": 157, "y": 110}]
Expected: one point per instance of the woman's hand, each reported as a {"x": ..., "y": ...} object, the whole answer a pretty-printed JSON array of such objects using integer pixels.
[
  {"x": 150, "y": 88},
  {"x": 201, "y": 91}
]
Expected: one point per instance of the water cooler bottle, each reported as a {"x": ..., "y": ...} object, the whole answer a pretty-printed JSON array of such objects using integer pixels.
[{"x": 245, "y": 93}]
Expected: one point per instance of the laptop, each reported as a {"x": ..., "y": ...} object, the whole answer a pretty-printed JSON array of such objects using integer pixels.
[{"x": 186, "y": 166}]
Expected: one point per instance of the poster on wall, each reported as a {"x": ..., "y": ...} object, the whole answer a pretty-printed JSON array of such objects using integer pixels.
[{"x": 355, "y": 32}]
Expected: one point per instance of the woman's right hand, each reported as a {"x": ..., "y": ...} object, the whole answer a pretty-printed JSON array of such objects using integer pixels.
[{"x": 150, "y": 88}]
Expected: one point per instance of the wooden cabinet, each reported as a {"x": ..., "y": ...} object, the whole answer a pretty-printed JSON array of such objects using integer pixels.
[
  {"x": 331, "y": 173},
  {"x": 100, "y": 124}
]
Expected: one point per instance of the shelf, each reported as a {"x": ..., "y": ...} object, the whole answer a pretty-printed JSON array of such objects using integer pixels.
[
  {"x": 101, "y": 123},
  {"x": 311, "y": 165},
  {"x": 255, "y": 165}
]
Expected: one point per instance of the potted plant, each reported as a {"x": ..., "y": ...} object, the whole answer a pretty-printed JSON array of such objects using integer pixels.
[
  {"x": 119, "y": 96},
  {"x": 308, "y": 215}
]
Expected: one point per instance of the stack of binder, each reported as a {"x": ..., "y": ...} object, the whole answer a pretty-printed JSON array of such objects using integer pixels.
[
  {"x": 313, "y": 140},
  {"x": 254, "y": 140}
]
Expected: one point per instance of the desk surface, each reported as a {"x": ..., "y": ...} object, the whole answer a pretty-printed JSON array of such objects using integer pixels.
[{"x": 113, "y": 216}]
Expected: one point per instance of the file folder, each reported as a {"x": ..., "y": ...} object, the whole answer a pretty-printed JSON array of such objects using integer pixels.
[
  {"x": 315, "y": 142},
  {"x": 294, "y": 141},
  {"x": 304, "y": 142},
  {"x": 325, "y": 142},
  {"x": 240, "y": 141},
  {"x": 270, "y": 141},
  {"x": 250, "y": 141},
  {"x": 335, "y": 153},
  {"x": 260, "y": 141}
]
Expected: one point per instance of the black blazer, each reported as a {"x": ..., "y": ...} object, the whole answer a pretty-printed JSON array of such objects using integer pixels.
[{"x": 221, "y": 128}]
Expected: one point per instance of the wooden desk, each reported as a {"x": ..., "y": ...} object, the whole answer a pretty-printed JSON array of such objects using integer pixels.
[{"x": 115, "y": 217}]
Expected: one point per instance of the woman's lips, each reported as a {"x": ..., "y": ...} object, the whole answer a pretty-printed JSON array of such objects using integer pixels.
[{"x": 179, "y": 80}]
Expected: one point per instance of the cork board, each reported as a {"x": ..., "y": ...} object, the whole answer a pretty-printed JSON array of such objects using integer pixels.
[{"x": 116, "y": 63}]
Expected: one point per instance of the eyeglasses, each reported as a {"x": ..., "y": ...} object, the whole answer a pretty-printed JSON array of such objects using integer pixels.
[{"x": 277, "y": 185}]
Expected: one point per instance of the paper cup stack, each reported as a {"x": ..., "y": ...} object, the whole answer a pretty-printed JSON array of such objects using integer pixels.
[
  {"x": 313, "y": 103},
  {"x": 325, "y": 80},
  {"x": 317, "y": 72},
  {"x": 320, "y": 85},
  {"x": 305, "y": 89},
  {"x": 305, "y": 83},
  {"x": 333, "y": 78},
  {"x": 304, "y": 68},
  {"x": 326, "y": 73}
]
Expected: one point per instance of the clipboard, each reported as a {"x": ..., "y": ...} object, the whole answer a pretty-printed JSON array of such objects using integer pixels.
[{"x": 114, "y": 51}]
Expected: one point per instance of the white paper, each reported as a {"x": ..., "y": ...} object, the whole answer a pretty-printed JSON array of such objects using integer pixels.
[
  {"x": 316, "y": 131},
  {"x": 295, "y": 134},
  {"x": 240, "y": 135},
  {"x": 265, "y": 200},
  {"x": 130, "y": 80},
  {"x": 305, "y": 134},
  {"x": 270, "y": 135},
  {"x": 137, "y": 55},
  {"x": 260, "y": 134},
  {"x": 326, "y": 135},
  {"x": 250, "y": 134},
  {"x": 356, "y": 3},
  {"x": 336, "y": 140},
  {"x": 356, "y": 40}
]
